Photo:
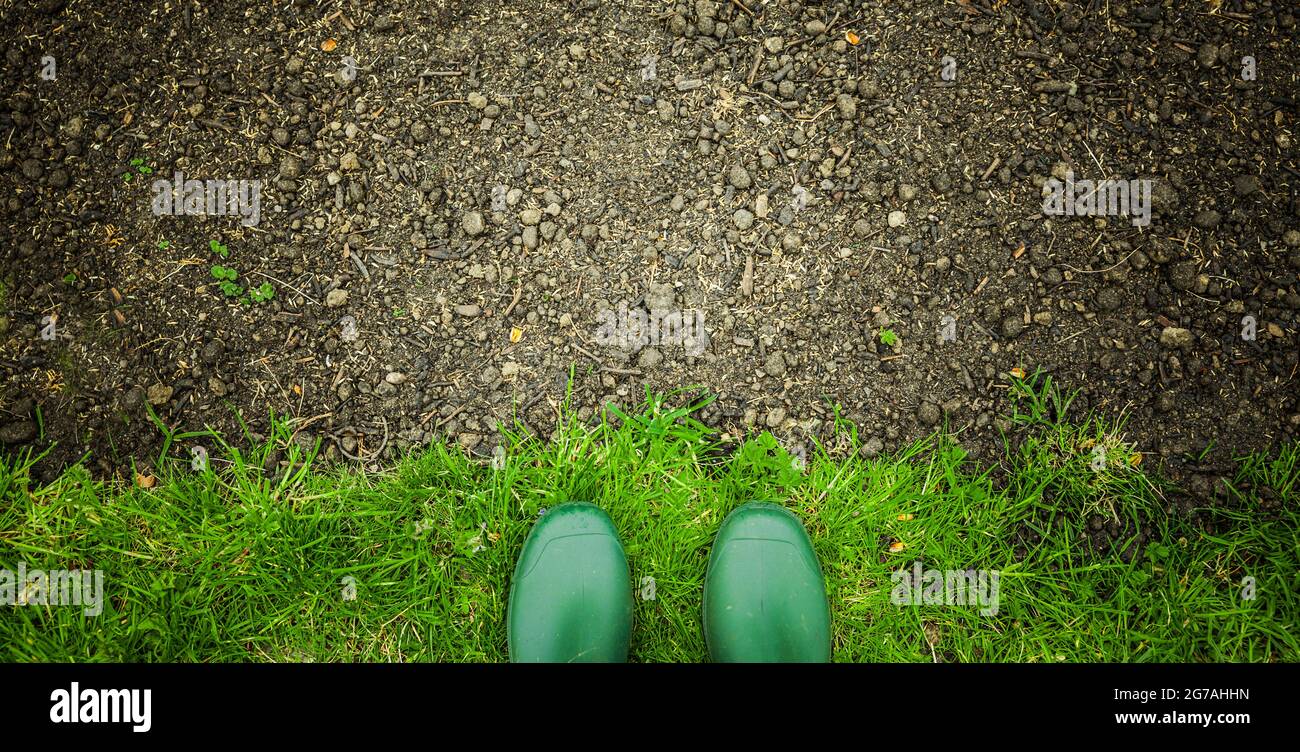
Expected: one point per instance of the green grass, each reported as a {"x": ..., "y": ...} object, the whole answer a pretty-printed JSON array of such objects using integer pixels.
[{"x": 236, "y": 564}]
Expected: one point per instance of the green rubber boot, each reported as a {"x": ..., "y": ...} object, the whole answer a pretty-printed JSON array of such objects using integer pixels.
[
  {"x": 571, "y": 597},
  {"x": 764, "y": 598}
]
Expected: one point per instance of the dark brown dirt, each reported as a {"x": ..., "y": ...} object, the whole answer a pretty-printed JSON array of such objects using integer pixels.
[{"x": 675, "y": 191}]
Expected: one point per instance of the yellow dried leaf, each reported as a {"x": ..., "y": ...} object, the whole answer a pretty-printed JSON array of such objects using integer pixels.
[
  {"x": 144, "y": 481},
  {"x": 1135, "y": 459},
  {"x": 328, "y": 45},
  {"x": 851, "y": 38},
  {"x": 516, "y": 334}
]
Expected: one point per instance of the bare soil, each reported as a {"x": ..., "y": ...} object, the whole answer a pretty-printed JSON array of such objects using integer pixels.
[{"x": 452, "y": 192}]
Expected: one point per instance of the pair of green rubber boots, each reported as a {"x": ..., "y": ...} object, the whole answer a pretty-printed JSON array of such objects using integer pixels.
[{"x": 764, "y": 598}]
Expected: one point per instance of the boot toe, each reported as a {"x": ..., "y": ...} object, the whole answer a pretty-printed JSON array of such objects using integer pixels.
[
  {"x": 764, "y": 597},
  {"x": 571, "y": 596}
]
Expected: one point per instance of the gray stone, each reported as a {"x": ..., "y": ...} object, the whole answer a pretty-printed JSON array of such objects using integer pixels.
[
  {"x": 472, "y": 223},
  {"x": 738, "y": 176}
]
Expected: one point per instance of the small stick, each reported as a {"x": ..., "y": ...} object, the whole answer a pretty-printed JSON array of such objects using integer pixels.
[
  {"x": 450, "y": 415},
  {"x": 992, "y": 166},
  {"x": 518, "y": 292}
]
